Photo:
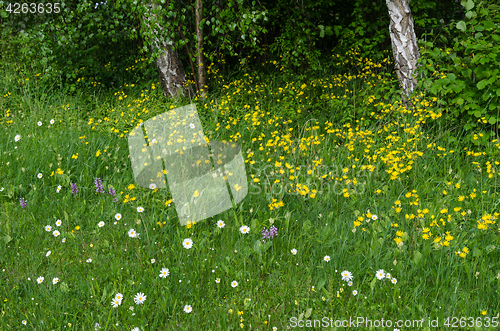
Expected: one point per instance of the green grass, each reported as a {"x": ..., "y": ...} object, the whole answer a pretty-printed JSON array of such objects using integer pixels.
[{"x": 361, "y": 152}]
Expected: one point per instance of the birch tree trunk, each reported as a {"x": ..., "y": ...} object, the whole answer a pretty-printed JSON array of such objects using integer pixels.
[
  {"x": 170, "y": 69},
  {"x": 200, "y": 59},
  {"x": 404, "y": 46}
]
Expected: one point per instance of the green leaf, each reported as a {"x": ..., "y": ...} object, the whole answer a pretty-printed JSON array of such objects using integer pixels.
[
  {"x": 321, "y": 31},
  {"x": 308, "y": 312},
  {"x": 7, "y": 239},
  {"x": 326, "y": 293},
  {"x": 417, "y": 257},
  {"x": 488, "y": 25},
  {"x": 469, "y": 4},
  {"x": 492, "y": 120},
  {"x": 482, "y": 84},
  {"x": 372, "y": 283},
  {"x": 467, "y": 72},
  {"x": 461, "y": 26},
  {"x": 321, "y": 284}
]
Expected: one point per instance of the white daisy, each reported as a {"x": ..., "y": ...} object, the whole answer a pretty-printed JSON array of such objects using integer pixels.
[
  {"x": 17, "y": 138},
  {"x": 39, "y": 123},
  {"x": 394, "y": 280},
  {"x": 152, "y": 186},
  {"x": 346, "y": 275},
  {"x": 56, "y": 233},
  {"x": 374, "y": 217},
  {"x": 191, "y": 125},
  {"x": 139, "y": 298},
  {"x": 244, "y": 229},
  {"x": 40, "y": 175},
  {"x": 116, "y": 303},
  {"x": 234, "y": 283},
  {"x": 349, "y": 283},
  {"x": 132, "y": 233},
  {"x": 354, "y": 292},
  {"x": 59, "y": 187},
  {"x": 136, "y": 329},
  {"x": 217, "y": 280},
  {"x": 153, "y": 260},
  {"x": 58, "y": 222},
  {"x": 55, "y": 281},
  {"x": 380, "y": 274},
  {"x": 119, "y": 296},
  {"x": 187, "y": 243},
  {"x": 188, "y": 308},
  {"x": 100, "y": 224},
  {"x": 1, "y": 189},
  {"x": 52, "y": 121},
  {"x": 164, "y": 273},
  {"x": 63, "y": 240},
  {"x": 221, "y": 224},
  {"x": 40, "y": 279},
  {"x": 48, "y": 253},
  {"x": 294, "y": 251},
  {"x": 48, "y": 228},
  {"x": 118, "y": 216},
  {"x": 388, "y": 275},
  {"x": 140, "y": 209},
  {"x": 24, "y": 322},
  {"x": 89, "y": 260},
  {"x": 326, "y": 258}
]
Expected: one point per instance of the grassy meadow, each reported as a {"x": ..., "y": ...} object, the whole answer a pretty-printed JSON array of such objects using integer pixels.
[{"x": 357, "y": 209}]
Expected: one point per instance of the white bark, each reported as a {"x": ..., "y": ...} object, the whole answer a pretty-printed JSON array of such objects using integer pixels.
[
  {"x": 172, "y": 75},
  {"x": 404, "y": 45}
]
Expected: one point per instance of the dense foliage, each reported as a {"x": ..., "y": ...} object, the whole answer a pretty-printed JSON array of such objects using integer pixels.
[
  {"x": 93, "y": 46},
  {"x": 462, "y": 70}
]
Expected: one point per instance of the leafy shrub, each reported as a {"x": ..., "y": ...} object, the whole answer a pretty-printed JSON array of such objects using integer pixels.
[{"x": 466, "y": 77}]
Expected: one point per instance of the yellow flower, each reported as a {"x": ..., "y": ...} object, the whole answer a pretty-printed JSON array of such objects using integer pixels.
[
  {"x": 483, "y": 312},
  {"x": 131, "y": 186},
  {"x": 196, "y": 194},
  {"x": 77, "y": 227},
  {"x": 398, "y": 240},
  {"x": 98, "y": 153}
]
